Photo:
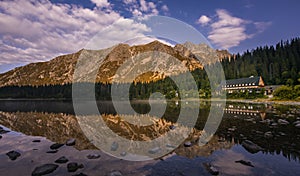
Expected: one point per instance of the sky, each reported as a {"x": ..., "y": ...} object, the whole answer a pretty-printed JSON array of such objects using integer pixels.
[{"x": 39, "y": 30}]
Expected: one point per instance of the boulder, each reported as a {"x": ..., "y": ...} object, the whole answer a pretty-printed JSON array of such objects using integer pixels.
[
  {"x": 44, "y": 169},
  {"x": 251, "y": 147}
]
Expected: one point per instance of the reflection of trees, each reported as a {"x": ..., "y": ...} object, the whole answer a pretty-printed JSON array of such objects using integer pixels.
[
  {"x": 284, "y": 139},
  {"x": 55, "y": 127}
]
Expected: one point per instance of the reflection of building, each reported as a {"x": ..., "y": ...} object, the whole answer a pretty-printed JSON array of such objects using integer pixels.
[
  {"x": 270, "y": 89},
  {"x": 246, "y": 110},
  {"x": 250, "y": 84}
]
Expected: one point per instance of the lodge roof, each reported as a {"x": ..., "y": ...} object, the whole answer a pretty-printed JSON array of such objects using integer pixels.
[{"x": 249, "y": 80}]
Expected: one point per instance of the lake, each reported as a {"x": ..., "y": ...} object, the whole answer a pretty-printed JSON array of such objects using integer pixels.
[{"x": 251, "y": 139}]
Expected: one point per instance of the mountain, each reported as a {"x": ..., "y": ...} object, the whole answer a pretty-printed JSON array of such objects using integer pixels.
[{"x": 60, "y": 70}]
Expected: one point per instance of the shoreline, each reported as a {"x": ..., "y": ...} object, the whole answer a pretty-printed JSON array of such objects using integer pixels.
[{"x": 255, "y": 101}]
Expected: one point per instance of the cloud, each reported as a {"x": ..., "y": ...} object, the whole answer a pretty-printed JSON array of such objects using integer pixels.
[
  {"x": 165, "y": 8},
  {"x": 101, "y": 3},
  {"x": 203, "y": 20},
  {"x": 262, "y": 26},
  {"x": 33, "y": 31},
  {"x": 142, "y": 8},
  {"x": 129, "y": 1},
  {"x": 227, "y": 31}
]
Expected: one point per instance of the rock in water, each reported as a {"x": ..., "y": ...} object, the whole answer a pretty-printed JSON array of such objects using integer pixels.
[
  {"x": 251, "y": 147},
  {"x": 93, "y": 156},
  {"x": 114, "y": 146},
  {"x": 187, "y": 144},
  {"x": 72, "y": 167},
  {"x": 115, "y": 173},
  {"x": 2, "y": 131},
  {"x": 52, "y": 151},
  {"x": 71, "y": 142},
  {"x": 61, "y": 160},
  {"x": 13, "y": 155},
  {"x": 246, "y": 163},
  {"x": 211, "y": 169},
  {"x": 80, "y": 174},
  {"x": 154, "y": 150},
  {"x": 283, "y": 122},
  {"x": 44, "y": 169},
  {"x": 56, "y": 146}
]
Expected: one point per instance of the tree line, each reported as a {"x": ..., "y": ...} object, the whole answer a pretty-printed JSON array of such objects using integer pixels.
[{"x": 279, "y": 64}]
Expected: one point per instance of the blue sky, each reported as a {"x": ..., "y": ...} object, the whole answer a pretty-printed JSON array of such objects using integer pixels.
[{"x": 38, "y": 30}]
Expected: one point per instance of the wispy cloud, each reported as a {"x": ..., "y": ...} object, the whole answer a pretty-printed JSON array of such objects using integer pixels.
[
  {"x": 34, "y": 31},
  {"x": 101, "y": 3},
  {"x": 227, "y": 31},
  {"x": 141, "y": 8},
  {"x": 203, "y": 20}
]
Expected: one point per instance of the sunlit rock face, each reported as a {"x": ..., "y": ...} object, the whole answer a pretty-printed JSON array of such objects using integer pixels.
[{"x": 104, "y": 63}]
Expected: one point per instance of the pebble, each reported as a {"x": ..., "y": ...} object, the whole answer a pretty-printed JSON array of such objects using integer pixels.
[
  {"x": 71, "y": 142},
  {"x": 2, "y": 131},
  {"x": 187, "y": 144},
  {"x": 61, "y": 160},
  {"x": 268, "y": 135},
  {"x": 251, "y": 147},
  {"x": 114, "y": 146},
  {"x": 93, "y": 156},
  {"x": 154, "y": 150},
  {"x": 211, "y": 169},
  {"x": 246, "y": 163},
  {"x": 73, "y": 167},
  {"x": 52, "y": 151},
  {"x": 56, "y": 146},
  {"x": 80, "y": 174},
  {"x": 44, "y": 169},
  {"x": 172, "y": 127},
  {"x": 115, "y": 173},
  {"x": 123, "y": 153},
  {"x": 13, "y": 155}
]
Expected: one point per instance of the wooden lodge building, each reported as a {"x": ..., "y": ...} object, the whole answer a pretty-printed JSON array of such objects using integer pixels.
[{"x": 243, "y": 84}]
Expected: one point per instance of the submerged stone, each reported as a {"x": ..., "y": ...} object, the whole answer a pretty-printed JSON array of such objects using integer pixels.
[
  {"x": 13, "y": 155},
  {"x": 71, "y": 142},
  {"x": 56, "y": 146},
  {"x": 251, "y": 147},
  {"x": 44, "y": 169},
  {"x": 61, "y": 160}
]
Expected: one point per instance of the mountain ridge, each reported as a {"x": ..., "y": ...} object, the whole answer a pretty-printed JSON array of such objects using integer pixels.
[{"x": 60, "y": 70}]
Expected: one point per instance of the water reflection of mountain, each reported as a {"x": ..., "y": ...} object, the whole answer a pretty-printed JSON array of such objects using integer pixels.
[{"x": 261, "y": 124}]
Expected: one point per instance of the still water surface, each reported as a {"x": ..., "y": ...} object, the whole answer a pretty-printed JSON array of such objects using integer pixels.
[{"x": 274, "y": 128}]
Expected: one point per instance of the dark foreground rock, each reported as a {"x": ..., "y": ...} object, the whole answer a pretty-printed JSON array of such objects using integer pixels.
[
  {"x": 251, "y": 147},
  {"x": 246, "y": 163},
  {"x": 13, "y": 155},
  {"x": 211, "y": 169},
  {"x": 80, "y": 174},
  {"x": 93, "y": 156},
  {"x": 44, "y": 169},
  {"x": 114, "y": 146},
  {"x": 56, "y": 146},
  {"x": 115, "y": 173},
  {"x": 61, "y": 160},
  {"x": 187, "y": 144},
  {"x": 2, "y": 131},
  {"x": 71, "y": 142},
  {"x": 73, "y": 167}
]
